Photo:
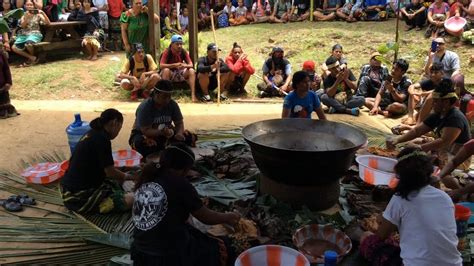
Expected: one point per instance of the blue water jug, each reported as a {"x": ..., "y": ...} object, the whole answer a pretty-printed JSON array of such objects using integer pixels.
[
  {"x": 330, "y": 258},
  {"x": 76, "y": 130}
]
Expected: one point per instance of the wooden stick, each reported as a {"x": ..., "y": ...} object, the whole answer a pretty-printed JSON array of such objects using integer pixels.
[{"x": 218, "y": 62}]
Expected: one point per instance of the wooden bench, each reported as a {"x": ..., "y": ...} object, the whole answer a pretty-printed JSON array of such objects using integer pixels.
[{"x": 50, "y": 43}]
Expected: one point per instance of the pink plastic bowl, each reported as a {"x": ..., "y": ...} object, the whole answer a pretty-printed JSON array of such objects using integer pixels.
[{"x": 454, "y": 25}]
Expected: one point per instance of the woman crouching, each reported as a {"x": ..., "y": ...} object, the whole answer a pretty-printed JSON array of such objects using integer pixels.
[
  {"x": 423, "y": 215},
  {"x": 164, "y": 200}
]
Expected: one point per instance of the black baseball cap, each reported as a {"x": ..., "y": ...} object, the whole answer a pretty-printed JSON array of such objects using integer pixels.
[{"x": 212, "y": 47}]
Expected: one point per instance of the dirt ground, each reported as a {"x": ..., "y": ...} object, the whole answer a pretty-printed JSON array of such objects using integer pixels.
[{"x": 41, "y": 125}]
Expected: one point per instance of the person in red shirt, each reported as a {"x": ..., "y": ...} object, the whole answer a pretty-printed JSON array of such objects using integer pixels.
[
  {"x": 176, "y": 65},
  {"x": 241, "y": 69},
  {"x": 115, "y": 10}
]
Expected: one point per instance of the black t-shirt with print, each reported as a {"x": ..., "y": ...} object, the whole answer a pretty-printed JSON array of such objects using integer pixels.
[
  {"x": 148, "y": 114},
  {"x": 330, "y": 80},
  {"x": 454, "y": 118},
  {"x": 302, "y": 6},
  {"x": 92, "y": 154},
  {"x": 160, "y": 212}
]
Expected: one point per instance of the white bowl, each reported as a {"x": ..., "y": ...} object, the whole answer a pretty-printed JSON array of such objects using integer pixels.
[{"x": 377, "y": 170}]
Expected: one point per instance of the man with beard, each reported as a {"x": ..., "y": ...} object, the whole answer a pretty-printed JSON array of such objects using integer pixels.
[
  {"x": 371, "y": 77},
  {"x": 207, "y": 73},
  {"x": 176, "y": 65},
  {"x": 276, "y": 75}
]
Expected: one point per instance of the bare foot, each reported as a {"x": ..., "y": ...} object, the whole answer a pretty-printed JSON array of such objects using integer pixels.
[
  {"x": 386, "y": 114},
  {"x": 94, "y": 58}
]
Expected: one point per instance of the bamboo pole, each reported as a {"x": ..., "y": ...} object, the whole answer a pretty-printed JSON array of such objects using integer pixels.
[
  {"x": 218, "y": 62},
  {"x": 396, "y": 31}
]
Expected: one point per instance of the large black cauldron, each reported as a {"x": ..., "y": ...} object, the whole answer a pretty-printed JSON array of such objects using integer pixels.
[{"x": 303, "y": 152}]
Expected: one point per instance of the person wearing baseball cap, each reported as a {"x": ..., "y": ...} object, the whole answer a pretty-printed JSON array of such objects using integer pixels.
[
  {"x": 158, "y": 119},
  {"x": 207, "y": 73},
  {"x": 371, "y": 77},
  {"x": 309, "y": 67},
  {"x": 139, "y": 73},
  {"x": 176, "y": 65},
  {"x": 451, "y": 69}
]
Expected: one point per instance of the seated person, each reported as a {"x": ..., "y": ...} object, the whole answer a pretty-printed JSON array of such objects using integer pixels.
[
  {"x": 325, "y": 10},
  {"x": 241, "y": 70},
  {"x": 92, "y": 43},
  {"x": 338, "y": 53},
  {"x": 259, "y": 11},
  {"x": 465, "y": 9},
  {"x": 229, "y": 11},
  {"x": 172, "y": 25},
  {"x": 302, "y": 101},
  {"x": 276, "y": 74},
  {"x": 240, "y": 17},
  {"x": 350, "y": 11},
  {"x": 392, "y": 96},
  {"x": 415, "y": 207},
  {"x": 339, "y": 89},
  {"x": 88, "y": 185},
  {"x": 158, "y": 120},
  {"x": 299, "y": 10},
  {"x": 12, "y": 22},
  {"x": 30, "y": 33},
  {"x": 207, "y": 73},
  {"x": 464, "y": 154},
  {"x": 309, "y": 67},
  {"x": 423, "y": 97},
  {"x": 138, "y": 73},
  {"x": 375, "y": 10},
  {"x": 449, "y": 125},
  {"x": 371, "y": 77},
  {"x": 438, "y": 12},
  {"x": 414, "y": 15},
  {"x": 204, "y": 16},
  {"x": 164, "y": 202},
  {"x": 184, "y": 20},
  {"x": 176, "y": 65},
  {"x": 281, "y": 11}
]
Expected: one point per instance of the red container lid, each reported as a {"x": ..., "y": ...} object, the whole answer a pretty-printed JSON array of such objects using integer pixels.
[{"x": 461, "y": 212}]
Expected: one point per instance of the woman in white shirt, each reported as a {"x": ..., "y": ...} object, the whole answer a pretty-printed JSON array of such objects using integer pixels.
[{"x": 423, "y": 215}]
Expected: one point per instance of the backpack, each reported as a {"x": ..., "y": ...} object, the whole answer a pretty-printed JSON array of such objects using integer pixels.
[{"x": 132, "y": 63}]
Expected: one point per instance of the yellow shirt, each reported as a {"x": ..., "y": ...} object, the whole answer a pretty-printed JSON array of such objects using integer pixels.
[{"x": 139, "y": 68}]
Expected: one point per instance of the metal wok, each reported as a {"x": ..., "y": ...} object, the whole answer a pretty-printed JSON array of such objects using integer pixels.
[{"x": 303, "y": 151}]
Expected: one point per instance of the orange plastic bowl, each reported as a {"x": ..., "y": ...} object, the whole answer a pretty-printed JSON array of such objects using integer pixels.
[
  {"x": 314, "y": 239},
  {"x": 455, "y": 25}
]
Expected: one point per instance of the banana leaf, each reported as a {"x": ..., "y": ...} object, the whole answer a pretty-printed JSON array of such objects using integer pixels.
[
  {"x": 226, "y": 191},
  {"x": 120, "y": 240},
  {"x": 15, "y": 13}
]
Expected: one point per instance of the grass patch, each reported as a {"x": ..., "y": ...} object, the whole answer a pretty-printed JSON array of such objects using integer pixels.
[{"x": 80, "y": 79}]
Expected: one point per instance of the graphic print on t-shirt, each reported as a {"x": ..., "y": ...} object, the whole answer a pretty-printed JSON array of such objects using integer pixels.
[
  {"x": 150, "y": 206},
  {"x": 300, "y": 111}
]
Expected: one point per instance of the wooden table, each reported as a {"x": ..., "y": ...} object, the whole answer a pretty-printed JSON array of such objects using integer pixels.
[{"x": 49, "y": 43}]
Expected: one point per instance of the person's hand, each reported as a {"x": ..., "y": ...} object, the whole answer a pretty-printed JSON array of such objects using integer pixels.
[
  {"x": 179, "y": 137},
  {"x": 413, "y": 145},
  {"x": 388, "y": 86},
  {"x": 243, "y": 56},
  {"x": 232, "y": 218},
  {"x": 339, "y": 77},
  {"x": 455, "y": 195},
  {"x": 142, "y": 77},
  {"x": 144, "y": 9},
  {"x": 149, "y": 142},
  {"x": 391, "y": 143},
  {"x": 374, "y": 111},
  {"x": 128, "y": 48},
  {"x": 284, "y": 87},
  {"x": 167, "y": 132},
  {"x": 136, "y": 83},
  {"x": 7, "y": 46}
]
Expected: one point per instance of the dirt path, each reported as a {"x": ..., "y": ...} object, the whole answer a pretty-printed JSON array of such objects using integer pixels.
[{"x": 41, "y": 125}]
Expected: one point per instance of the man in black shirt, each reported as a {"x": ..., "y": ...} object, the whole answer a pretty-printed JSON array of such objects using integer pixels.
[
  {"x": 447, "y": 122},
  {"x": 392, "y": 96},
  {"x": 300, "y": 10},
  {"x": 158, "y": 119},
  {"x": 207, "y": 73}
]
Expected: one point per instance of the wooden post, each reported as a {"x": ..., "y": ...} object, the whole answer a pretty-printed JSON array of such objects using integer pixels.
[
  {"x": 311, "y": 10},
  {"x": 154, "y": 30},
  {"x": 193, "y": 30}
]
